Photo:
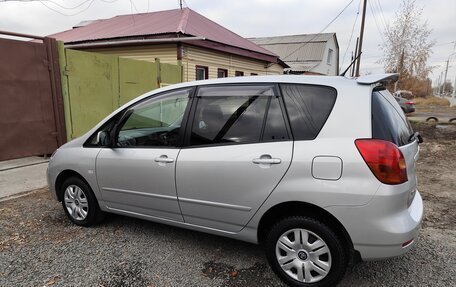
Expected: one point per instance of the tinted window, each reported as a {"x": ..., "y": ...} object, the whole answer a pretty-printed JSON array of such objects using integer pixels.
[
  {"x": 389, "y": 123},
  {"x": 155, "y": 122},
  {"x": 232, "y": 114},
  {"x": 308, "y": 108},
  {"x": 275, "y": 128}
]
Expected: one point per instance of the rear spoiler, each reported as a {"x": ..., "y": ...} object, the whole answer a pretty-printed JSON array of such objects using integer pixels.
[{"x": 382, "y": 79}]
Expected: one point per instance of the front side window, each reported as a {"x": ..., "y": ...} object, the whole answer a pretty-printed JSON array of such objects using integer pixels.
[
  {"x": 236, "y": 114},
  {"x": 154, "y": 123}
]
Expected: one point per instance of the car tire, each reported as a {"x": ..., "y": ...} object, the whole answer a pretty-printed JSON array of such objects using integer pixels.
[
  {"x": 317, "y": 258},
  {"x": 80, "y": 203}
]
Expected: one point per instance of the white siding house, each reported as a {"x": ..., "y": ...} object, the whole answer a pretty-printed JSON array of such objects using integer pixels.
[{"x": 305, "y": 54}]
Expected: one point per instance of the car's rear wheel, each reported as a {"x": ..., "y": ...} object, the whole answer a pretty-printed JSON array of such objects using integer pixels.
[
  {"x": 305, "y": 252},
  {"x": 79, "y": 202}
]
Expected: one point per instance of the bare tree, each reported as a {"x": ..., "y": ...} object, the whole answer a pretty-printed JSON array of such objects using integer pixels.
[{"x": 407, "y": 46}]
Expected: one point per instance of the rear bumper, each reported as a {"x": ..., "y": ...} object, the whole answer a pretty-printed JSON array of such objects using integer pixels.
[
  {"x": 378, "y": 237},
  {"x": 406, "y": 229}
]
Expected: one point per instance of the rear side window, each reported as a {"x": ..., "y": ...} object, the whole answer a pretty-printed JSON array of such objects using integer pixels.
[
  {"x": 388, "y": 122},
  {"x": 308, "y": 108}
]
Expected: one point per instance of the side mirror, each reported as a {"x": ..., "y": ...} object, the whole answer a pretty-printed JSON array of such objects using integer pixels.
[{"x": 103, "y": 138}]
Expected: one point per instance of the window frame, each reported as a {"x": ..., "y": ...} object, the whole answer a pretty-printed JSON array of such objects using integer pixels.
[
  {"x": 206, "y": 72},
  {"x": 192, "y": 114},
  {"x": 329, "y": 57},
  {"x": 222, "y": 70},
  {"x": 238, "y": 73}
]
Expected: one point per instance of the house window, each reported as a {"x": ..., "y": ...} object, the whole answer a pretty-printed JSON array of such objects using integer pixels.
[
  {"x": 330, "y": 55},
  {"x": 239, "y": 73},
  {"x": 253, "y": 74},
  {"x": 222, "y": 73},
  {"x": 201, "y": 73}
]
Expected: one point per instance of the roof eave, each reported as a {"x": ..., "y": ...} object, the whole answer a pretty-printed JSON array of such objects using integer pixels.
[
  {"x": 131, "y": 42},
  {"x": 209, "y": 44},
  {"x": 188, "y": 39}
]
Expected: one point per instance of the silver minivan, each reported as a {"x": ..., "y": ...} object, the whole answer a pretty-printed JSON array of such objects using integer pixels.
[{"x": 320, "y": 170}]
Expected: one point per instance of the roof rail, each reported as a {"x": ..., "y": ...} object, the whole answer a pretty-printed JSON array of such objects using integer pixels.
[{"x": 382, "y": 79}]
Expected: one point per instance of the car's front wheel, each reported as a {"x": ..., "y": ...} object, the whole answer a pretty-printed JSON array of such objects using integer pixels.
[
  {"x": 303, "y": 251},
  {"x": 79, "y": 202}
]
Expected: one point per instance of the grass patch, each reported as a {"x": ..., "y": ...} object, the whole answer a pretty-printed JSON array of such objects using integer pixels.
[{"x": 431, "y": 101}]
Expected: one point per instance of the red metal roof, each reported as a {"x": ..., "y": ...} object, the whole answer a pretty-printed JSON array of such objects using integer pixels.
[{"x": 185, "y": 21}]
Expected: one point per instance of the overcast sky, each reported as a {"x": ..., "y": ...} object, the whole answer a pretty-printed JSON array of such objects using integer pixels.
[{"x": 255, "y": 18}]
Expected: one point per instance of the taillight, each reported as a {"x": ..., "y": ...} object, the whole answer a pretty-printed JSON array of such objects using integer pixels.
[
  {"x": 409, "y": 103},
  {"x": 384, "y": 159}
]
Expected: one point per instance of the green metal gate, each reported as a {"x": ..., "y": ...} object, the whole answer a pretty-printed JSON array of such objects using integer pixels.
[{"x": 96, "y": 84}]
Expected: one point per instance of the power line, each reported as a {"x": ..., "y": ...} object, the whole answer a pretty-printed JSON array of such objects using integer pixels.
[
  {"x": 446, "y": 43},
  {"x": 64, "y": 14},
  {"x": 68, "y": 8},
  {"x": 351, "y": 36},
  {"x": 133, "y": 6},
  {"x": 382, "y": 16},
  {"x": 376, "y": 23},
  {"x": 316, "y": 35}
]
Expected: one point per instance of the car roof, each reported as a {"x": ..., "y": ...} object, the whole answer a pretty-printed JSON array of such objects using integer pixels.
[{"x": 332, "y": 81}]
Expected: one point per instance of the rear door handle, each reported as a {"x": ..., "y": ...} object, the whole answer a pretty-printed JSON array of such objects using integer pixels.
[
  {"x": 164, "y": 159},
  {"x": 266, "y": 159}
]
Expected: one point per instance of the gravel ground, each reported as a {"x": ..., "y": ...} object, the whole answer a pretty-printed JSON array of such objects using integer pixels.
[{"x": 40, "y": 247}]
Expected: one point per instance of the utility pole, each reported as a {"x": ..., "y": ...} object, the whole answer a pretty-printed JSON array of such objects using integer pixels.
[
  {"x": 454, "y": 93},
  {"x": 351, "y": 69},
  {"x": 361, "y": 34},
  {"x": 438, "y": 85},
  {"x": 180, "y": 4},
  {"x": 356, "y": 54},
  {"x": 446, "y": 71},
  {"x": 444, "y": 79}
]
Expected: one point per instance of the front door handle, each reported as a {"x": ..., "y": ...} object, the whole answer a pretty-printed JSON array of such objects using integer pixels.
[
  {"x": 266, "y": 159},
  {"x": 164, "y": 159}
]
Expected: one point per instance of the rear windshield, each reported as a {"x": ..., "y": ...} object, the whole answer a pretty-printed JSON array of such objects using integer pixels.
[{"x": 389, "y": 123}]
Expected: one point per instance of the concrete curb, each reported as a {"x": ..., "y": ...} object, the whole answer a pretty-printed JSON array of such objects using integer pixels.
[{"x": 21, "y": 176}]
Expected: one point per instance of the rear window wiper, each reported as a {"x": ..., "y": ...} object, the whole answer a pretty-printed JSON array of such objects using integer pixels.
[{"x": 415, "y": 136}]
